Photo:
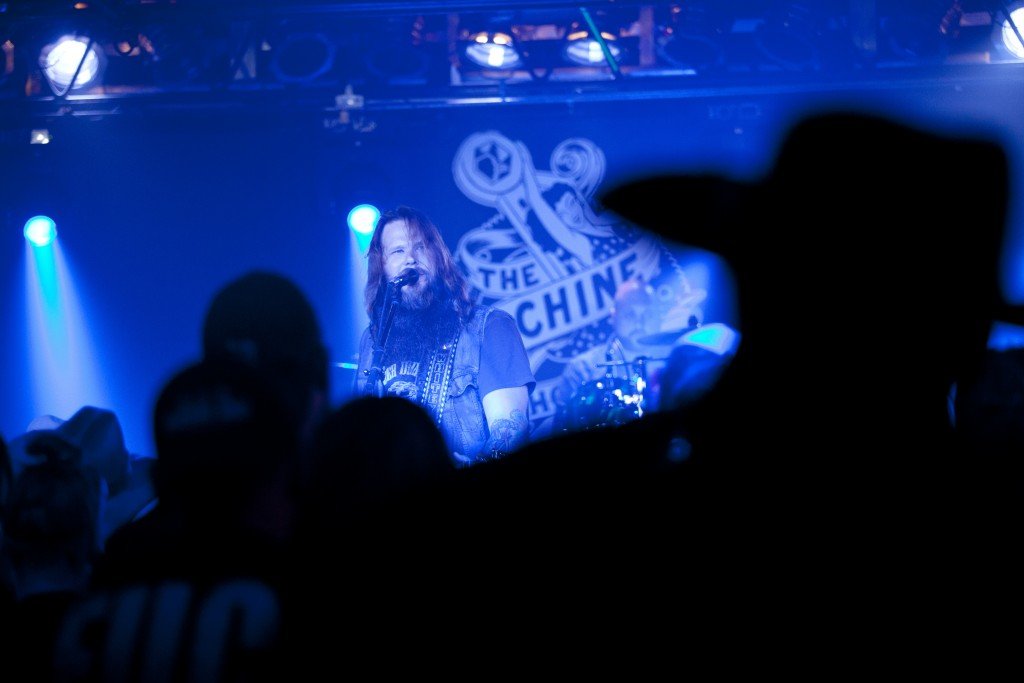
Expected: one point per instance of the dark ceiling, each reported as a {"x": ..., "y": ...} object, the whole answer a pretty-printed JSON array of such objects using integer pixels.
[{"x": 340, "y": 57}]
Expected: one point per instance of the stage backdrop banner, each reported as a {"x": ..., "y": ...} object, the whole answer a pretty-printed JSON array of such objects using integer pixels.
[{"x": 551, "y": 260}]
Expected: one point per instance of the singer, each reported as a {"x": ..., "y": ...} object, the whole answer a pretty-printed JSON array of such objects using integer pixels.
[{"x": 429, "y": 342}]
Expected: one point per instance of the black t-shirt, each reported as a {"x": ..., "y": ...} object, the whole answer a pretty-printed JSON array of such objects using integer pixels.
[{"x": 503, "y": 363}]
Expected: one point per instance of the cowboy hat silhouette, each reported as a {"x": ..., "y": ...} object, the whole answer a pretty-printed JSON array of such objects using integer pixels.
[{"x": 886, "y": 241}]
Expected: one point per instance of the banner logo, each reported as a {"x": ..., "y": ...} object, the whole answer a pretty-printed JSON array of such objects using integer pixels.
[{"x": 546, "y": 256}]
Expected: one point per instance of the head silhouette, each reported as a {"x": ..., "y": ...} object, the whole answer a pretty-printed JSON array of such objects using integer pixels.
[
  {"x": 263, "y": 319},
  {"x": 864, "y": 286},
  {"x": 373, "y": 450}
]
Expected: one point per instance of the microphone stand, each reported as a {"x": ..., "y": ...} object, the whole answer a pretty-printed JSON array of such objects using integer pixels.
[{"x": 374, "y": 374}]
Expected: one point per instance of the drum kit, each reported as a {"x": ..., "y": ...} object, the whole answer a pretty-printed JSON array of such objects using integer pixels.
[
  {"x": 602, "y": 402},
  {"x": 612, "y": 400}
]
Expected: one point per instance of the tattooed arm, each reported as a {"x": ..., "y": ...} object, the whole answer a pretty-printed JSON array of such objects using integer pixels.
[{"x": 507, "y": 421}]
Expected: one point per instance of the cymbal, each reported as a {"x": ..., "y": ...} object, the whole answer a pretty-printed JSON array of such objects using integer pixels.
[{"x": 663, "y": 338}]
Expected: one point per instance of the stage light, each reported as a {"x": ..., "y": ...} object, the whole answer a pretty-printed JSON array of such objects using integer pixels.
[
  {"x": 40, "y": 136},
  {"x": 61, "y": 357},
  {"x": 40, "y": 230},
  {"x": 492, "y": 51},
  {"x": 363, "y": 219},
  {"x": 61, "y": 60},
  {"x": 581, "y": 48},
  {"x": 302, "y": 58},
  {"x": 1012, "y": 32}
]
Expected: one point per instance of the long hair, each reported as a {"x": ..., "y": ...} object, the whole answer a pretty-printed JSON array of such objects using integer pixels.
[{"x": 452, "y": 279}]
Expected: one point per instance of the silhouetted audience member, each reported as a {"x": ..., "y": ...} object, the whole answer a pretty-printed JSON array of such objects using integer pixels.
[
  {"x": 203, "y": 571},
  {"x": 97, "y": 433},
  {"x": 51, "y": 539},
  {"x": 6, "y": 479},
  {"x": 6, "y": 475},
  {"x": 227, "y": 444},
  {"x": 369, "y": 453},
  {"x": 890, "y": 292},
  {"x": 205, "y": 564},
  {"x": 831, "y": 424},
  {"x": 988, "y": 413},
  {"x": 371, "y": 536},
  {"x": 265, "y": 320}
]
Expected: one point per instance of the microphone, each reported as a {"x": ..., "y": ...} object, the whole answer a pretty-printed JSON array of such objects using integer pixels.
[{"x": 406, "y": 277}]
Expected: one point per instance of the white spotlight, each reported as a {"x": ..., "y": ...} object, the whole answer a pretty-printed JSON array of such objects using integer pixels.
[
  {"x": 60, "y": 61},
  {"x": 492, "y": 51},
  {"x": 1010, "y": 39},
  {"x": 581, "y": 48},
  {"x": 40, "y": 136}
]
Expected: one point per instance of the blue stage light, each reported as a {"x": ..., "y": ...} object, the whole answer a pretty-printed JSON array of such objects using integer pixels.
[
  {"x": 40, "y": 230},
  {"x": 363, "y": 219}
]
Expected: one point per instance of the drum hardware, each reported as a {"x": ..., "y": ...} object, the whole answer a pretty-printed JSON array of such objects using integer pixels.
[
  {"x": 639, "y": 360},
  {"x": 604, "y": 402},
  {"x": 637, "y": 368},
  {"x": 609, "y": 400},
  {"x": 612, "y": 363}
]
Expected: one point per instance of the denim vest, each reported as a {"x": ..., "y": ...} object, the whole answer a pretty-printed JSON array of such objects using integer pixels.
[{"x": 463, "y": 422}]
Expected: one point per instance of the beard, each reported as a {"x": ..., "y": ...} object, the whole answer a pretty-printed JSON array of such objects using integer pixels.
[
  {"x": 421, "y": 325},
  {"x": 421, "y": 295}
]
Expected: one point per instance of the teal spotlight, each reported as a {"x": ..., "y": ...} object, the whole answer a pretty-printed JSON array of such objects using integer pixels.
[
  {"x": 40, "y": 230},
  {"x": 363, "y": 219}
]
